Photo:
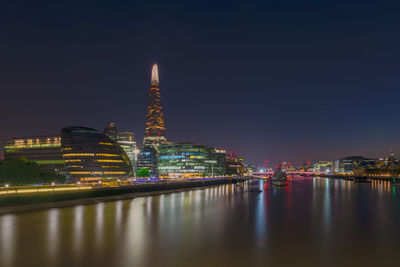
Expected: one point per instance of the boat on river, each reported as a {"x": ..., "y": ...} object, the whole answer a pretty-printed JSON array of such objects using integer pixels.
[
  {"x": 279, "y": 178},
  {"x": 255, "y": 190}
]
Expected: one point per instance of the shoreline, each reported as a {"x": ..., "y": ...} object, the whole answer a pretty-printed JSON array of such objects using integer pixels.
[{"x": 136, "y": 191}]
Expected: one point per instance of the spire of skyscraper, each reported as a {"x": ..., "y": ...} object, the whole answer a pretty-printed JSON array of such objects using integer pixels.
[
  {"x": 154, "y": 75},
  {"x": 155, "y": 127}
]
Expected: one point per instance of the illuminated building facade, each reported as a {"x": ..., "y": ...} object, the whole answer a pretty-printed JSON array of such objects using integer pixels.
[
  {"x": 323, "y": 166},
  {"x": 91, "y": 156},
  {"x": 44, "y": 150},
  {"x": 349, "y": 164},
  {"x": 127, "y": 141},
  {"x": 147, "y": 158},
  {"x": 234, "y": 164},
  {"x": 250, "y": 167},
  {"x": 188, "y": 160},
  {"x": 155, "y": 126},
  {"x": 388, "y": 161},
  {"x": 217, "y": 161}
]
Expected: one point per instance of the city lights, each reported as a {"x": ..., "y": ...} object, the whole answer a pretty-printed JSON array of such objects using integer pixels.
[{"x": 199, "y": 133}]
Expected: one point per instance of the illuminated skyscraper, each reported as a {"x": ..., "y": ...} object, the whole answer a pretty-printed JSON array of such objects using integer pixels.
[{"x": 155, "y": 126}]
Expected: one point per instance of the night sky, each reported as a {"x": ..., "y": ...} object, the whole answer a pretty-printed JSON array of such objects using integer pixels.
[{"x": 277, "y": 80}]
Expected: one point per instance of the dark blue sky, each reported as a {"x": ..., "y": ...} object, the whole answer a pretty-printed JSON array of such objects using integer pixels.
[{"x": 277, "y": 80}]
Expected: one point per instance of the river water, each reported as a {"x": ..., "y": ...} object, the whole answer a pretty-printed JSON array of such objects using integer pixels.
[{"x": 311, "y": 222}]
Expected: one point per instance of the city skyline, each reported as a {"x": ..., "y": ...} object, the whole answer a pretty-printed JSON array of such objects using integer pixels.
[
  {"x": 199, "y": 133},
  {"x": 276, "y": 87},
  {"x": 154, "y": 79}
]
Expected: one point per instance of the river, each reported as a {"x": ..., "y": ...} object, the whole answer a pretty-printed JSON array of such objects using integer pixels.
[{"x": 311, "y": 222}]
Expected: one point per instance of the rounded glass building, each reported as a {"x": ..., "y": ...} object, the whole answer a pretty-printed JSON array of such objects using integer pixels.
[{"x": 91, "y": 156}]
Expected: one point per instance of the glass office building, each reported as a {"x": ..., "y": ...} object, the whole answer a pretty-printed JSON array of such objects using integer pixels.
[
  {"x": 127, "y": 141},
  {"x": 188, "y": 160},
  {"x": 147, "y": 158},
  {"x": 91, "y": 156}
]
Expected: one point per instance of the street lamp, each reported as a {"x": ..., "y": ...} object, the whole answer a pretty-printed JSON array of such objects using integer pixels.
[
  {"x": 52, "y": 191},
  {"x": 136, "y": 151}
]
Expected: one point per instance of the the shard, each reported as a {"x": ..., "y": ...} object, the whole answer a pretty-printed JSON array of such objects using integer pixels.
[{"x": 155, "y": 126}]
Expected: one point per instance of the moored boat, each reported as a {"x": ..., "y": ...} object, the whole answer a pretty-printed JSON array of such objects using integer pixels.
[{"x": 279, "y": 178}]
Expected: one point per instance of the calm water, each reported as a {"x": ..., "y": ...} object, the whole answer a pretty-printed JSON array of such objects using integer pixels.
[{"x": 312, "y": 222}]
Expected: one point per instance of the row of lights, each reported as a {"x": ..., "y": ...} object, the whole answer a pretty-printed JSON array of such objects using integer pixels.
[
  {"x": 78, "y": 183},
  {"x": 7, "y": 185}
]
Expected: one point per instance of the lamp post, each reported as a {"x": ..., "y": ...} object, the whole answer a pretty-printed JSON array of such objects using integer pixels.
[
  {"x": 7, "y": 185},
  {"x": 136, "y": 151},
  {"x": 52, "y": 191}
]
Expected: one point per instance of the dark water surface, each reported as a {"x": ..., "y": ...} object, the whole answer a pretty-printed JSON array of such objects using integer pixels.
[{"x": 312, "y": 222}]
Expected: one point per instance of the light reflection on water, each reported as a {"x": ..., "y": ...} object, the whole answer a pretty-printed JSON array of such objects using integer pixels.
[
  {"x": 327, "y": 206},
  {"x": 53, "y": 232},
  {"x": 260, "y": 218},
  {"x": 77, "y": 231},
  {"x": 99, "y": 227},
  {"x": 7, "y": 239},
  {"x": 313, "y": 221}
]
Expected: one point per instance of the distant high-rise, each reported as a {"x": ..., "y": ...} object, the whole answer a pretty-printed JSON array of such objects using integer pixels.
[
  {"x": 147, "y": 159},
  {"x": 111, "y": 130},
  {"x": 155, "y": 126},
  {"x": 127, "y": 141}
]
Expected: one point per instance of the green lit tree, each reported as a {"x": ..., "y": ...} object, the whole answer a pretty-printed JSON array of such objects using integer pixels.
[{"x": 143, "y": 172}]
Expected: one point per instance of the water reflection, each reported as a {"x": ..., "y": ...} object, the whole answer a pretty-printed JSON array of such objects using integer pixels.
[
  {"x": 260, "y": 218},
  {"x": 52, "y": 235},
  {"x": 7, "y": 240},
  {"x": 118, "y": 215},
  {"x": 99, "y": 225},
  {"x": 134, "y": 243},
  {"x": 78, "y": 233},
  {"x": 339, "y": 221},
  {"x": 327, "y": 206}
]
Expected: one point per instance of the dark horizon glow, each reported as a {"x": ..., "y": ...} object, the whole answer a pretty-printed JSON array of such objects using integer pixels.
[{"x": 272, "y": 80}]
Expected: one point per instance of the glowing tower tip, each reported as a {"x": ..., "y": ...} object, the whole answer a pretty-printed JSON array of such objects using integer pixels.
[{"x": 154, "y": 74}]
